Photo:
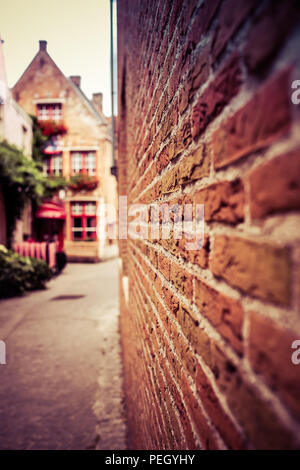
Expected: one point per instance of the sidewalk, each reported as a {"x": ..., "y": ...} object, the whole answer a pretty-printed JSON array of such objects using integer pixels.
[{"x": 62, "y": 385}]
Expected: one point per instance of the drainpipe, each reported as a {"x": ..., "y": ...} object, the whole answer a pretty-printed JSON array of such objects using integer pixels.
[{"x": 113, "y": 169}]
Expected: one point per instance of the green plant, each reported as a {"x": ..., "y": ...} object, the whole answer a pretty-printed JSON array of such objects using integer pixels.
[
  {"x": 83, "y": 181},
  {"x": 39, "y": 141},
  {"x": 21, "y": 273},
  {"x": 53, "y": 184},
  {"x": 40, "y": 275},
  {"x": 21, "y": 180}
]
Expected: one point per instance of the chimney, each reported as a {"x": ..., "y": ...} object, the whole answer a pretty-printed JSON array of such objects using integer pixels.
[
  {"x": 76, "y": 79},
  {"x": 43, "y": 45},
  {"x": 97, "y": 101}
]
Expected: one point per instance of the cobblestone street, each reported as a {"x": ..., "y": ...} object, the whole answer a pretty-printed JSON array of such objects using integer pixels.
[{"x": 62, "y": 385}]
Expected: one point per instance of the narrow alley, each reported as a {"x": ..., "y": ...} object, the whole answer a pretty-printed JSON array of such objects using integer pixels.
[
  {"x": 63, "y": 349},
  {"x": 150, "y": 228}
]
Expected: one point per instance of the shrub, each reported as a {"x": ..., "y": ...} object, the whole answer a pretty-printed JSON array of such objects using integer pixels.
[{"x": 21, "y": 273}]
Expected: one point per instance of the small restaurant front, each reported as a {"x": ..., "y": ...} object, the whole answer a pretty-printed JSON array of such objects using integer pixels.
[{"x": 47, "y": 242}]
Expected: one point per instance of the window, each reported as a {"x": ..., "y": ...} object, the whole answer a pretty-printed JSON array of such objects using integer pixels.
[
  {"x": 53, "y": 165},
  {"x": 83, "y": 162},
  {"x": 49, "y": 112},
  {"x": 84, "y": 221}
]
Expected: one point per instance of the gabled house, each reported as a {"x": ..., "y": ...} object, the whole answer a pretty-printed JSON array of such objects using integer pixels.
[{"x": 78, "y": 149}]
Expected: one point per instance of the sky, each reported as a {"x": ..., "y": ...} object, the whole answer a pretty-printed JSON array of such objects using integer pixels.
[{"x": 78, "y": 36}]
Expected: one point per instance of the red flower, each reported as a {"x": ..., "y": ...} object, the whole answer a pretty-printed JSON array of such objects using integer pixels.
[
  {"x": 83, "y": 181},
  {"x": 51, "y": 128}
]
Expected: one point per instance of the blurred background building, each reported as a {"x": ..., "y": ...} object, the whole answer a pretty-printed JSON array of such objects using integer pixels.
[{"x": 78, "y": 152}]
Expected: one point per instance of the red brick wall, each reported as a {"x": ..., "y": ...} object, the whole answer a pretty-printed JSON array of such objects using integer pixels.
[{"x": 205, "y": 116}]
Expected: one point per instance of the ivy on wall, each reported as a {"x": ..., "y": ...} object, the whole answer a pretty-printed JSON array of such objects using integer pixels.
[{"x": 38, "y": 142}]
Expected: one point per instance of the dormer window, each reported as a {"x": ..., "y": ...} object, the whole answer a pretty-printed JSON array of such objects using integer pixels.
[{"x": 49, "y": 112}]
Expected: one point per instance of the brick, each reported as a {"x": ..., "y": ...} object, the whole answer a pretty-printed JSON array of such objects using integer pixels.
[
  {"x": 170, "y": 299},
  {"x": 216, "y": 96},
  {"x": 183, "y": 137},
  {"x": 225, "y": 313},
  {"x": 168, "y": 182},
  {"x": 260, "y": 422},
  {"x": 184, "y": 419},
  {"x": 182, "y": 280},
  {"x": 164, "y": 266},
  {"x": 274, "y": 185},
  {"x": 164, "y": 315},
  {"x": 162, "y": 106},
  {"x": 169, "y": 244},
  {"x": 166, "y": 155},
  {"x": 221, "y": 420},
  {"x": 259, "y": 269},
  {"x": 223, "y": 202},
  {"x": 174, "y": 421},
  {"x": 173, "y": 361},
  {"x": 195, "y": 166},
  {"x": 265, "y": 118},
  {"x": 270, "y": 355},
  {"x": 199, "y": 256},
  {"x": 186, "y": 14},
  {"x": 230, "y": 17},
  {"x": 204, "y": 431},
  {"x": 170, "y": 120},
  {"x": 152, "y": 255},
  {"x": 268, "y": 32},
  {"x": 199, "y": 70},
  {"x": 186, "y": 355},
  {"x": 183, "y": 99},
  {"x": 174, "y": 81},
  {"x": 196, "y": 335},
  {"x": 174, "y": 17},
  {"x": 196, "y": 67},
  {"x": 203, "y": 20}
]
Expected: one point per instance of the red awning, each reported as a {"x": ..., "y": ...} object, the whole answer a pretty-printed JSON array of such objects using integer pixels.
[{"x": 50, "y": 210}]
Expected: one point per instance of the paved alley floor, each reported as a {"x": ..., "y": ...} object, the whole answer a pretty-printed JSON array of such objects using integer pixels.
[{"x": 62, "y": 385}]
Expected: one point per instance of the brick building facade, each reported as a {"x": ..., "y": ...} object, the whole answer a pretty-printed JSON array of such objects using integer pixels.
[
  {"x": 85, "y": 149},
  {"x": 206, "y": 116}
]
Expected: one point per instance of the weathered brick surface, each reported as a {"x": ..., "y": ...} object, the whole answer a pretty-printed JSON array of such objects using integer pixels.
[
  {"x": 269, "y": 30},
  {"x": 222, "y": 202},
  {"x": 195, "y": 166},
  {"x": 270, "y": 356},
  {"x": 263, "y": 119},
  {"x": 259, "y": 269},
  {"x": 232, "y": 14},
  {"x": 224, "y": 313},
  {"x": 254, "y": 414},
  {"x": 213, "y": 407},
  {"x": 274, "y": 185},
  {"x": 217, "y": 95},
  {"x": 205, "y": 117},
  {"x": 199, "y": 420}
]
